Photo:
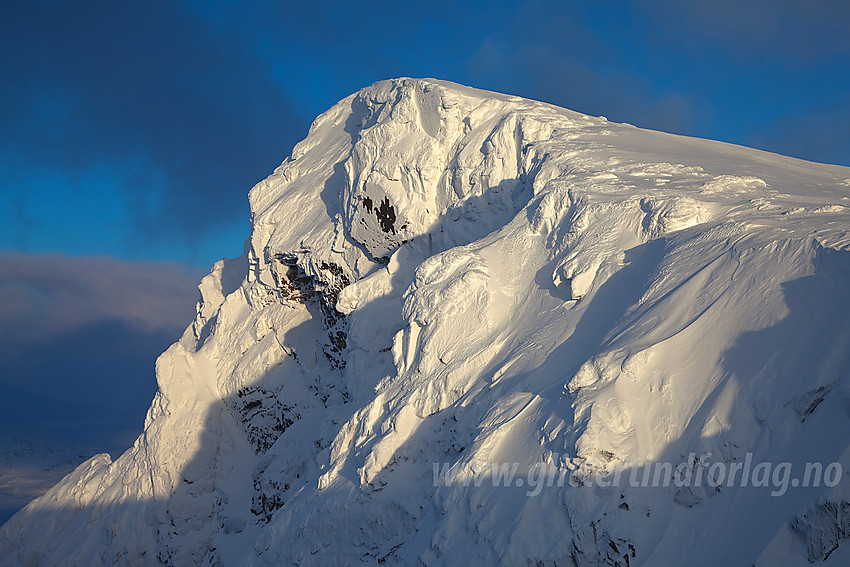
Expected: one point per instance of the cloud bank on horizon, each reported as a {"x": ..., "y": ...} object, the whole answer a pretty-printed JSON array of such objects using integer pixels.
[{"x": 78, "y": 341}]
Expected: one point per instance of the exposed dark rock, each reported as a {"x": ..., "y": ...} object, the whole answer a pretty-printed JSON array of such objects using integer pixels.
[
  {"x": 262, "y": 415},
  {"x": 823, "y": 527},
  {"x": 386, "y": 216},
  {"x": 320, "y": 291}
]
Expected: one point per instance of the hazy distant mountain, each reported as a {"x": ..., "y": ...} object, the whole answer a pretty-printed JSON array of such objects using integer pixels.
[{"x": 470, "y": 328}]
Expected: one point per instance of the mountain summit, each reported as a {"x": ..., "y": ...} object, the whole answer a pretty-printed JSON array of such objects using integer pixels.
[{"x": 471, "y": 328}]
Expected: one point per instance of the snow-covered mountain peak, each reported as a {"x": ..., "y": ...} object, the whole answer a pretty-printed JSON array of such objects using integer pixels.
[{"x": 444, "y": 284}]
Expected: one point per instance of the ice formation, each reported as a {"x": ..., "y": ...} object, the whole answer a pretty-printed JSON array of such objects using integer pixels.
[{"x": 442, "y": 283}]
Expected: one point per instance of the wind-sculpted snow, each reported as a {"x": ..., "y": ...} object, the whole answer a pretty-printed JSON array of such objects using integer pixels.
[{"x": 443, "y": 285}]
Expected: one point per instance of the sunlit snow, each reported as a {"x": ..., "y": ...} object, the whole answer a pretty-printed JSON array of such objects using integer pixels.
[{"x": 442, "y": 278}]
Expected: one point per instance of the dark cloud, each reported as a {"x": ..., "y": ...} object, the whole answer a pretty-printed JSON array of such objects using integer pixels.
[
  {"x": 746, "y": 73},
  {"x": 78, "y": 342},
  {"x": 187, "y": 117},
  {"x": 621, "y": 96},
  {"x": 561, "y": 57},
  {"x": 799, "y": 31}
]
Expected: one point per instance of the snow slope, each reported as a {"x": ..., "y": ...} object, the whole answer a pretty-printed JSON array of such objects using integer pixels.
[{"x": 447, "y": 280}]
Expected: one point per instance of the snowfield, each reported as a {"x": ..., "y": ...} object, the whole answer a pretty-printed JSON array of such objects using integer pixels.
[{"x": 443, "y": 285}]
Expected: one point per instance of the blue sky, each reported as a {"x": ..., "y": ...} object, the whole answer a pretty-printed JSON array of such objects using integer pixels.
[{"x": 135, "y": 129}]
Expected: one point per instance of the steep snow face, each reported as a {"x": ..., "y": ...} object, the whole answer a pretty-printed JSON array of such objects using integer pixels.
[{"x": 450, "y": 295}]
